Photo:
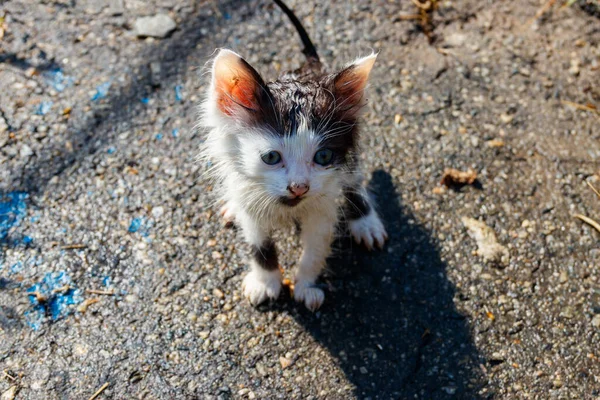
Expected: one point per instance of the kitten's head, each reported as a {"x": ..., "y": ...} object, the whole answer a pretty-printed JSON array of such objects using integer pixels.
[{"x": 293, "y": 139}]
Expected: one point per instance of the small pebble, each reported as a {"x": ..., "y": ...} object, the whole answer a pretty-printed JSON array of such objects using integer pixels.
[
  {"x": 25, "y": 151},
  {"x": 157, "y": 212},
  {"x": 285, "y": 362},
  {"x": 204, "y": 334},
  {"x": 157, "y": 26},
  {"x": 564, "y": 277}
]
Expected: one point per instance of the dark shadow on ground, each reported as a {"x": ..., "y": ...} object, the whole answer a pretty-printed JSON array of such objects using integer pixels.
[
  {"x": 390, "y": 318},
  {"x": 112, "y": 116}
]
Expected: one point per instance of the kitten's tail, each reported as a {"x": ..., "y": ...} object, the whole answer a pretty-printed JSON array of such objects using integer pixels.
[{"x": 309, "y": 50}]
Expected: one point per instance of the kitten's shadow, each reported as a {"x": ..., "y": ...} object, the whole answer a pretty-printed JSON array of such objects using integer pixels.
[{"x": 390, "y": 317}]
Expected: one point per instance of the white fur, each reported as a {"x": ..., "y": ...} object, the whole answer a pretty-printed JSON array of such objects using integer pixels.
[
  {"x": 260, "y": 285},
  {"x": 369, "y": 230},
  {"x": 307, "y": 293}
]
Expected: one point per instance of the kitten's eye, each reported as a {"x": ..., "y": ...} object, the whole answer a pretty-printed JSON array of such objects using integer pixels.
[
  {"x": 271, "y": 158},
  {"x": 323, "y": 157}
]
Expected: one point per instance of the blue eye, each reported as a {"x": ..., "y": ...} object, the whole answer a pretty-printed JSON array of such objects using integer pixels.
[
  {"x": 323, "y": 157},
  {"x": 271, "y": 158}
]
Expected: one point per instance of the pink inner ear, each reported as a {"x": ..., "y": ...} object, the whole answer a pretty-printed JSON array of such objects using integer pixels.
[
  {"x": 351, "y": 82},
  {"x": 234, "y": 83}
]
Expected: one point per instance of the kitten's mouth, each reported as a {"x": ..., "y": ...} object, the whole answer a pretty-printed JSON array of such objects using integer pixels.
[{"x": 290, "y": 202}]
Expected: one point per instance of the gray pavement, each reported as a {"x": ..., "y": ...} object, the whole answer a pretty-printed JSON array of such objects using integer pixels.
[{"x": 116, "y": 270}]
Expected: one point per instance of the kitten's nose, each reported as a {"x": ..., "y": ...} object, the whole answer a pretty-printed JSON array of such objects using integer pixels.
[{"x": 298, "y": 189}]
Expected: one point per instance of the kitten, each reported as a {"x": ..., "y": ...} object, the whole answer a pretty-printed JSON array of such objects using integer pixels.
[{"x": 283, "y": 152}]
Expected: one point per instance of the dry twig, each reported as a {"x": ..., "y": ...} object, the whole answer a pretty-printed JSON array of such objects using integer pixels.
[
  {"x": 9, "y": 376},
  {"x": 102, "y": 389},
  {"x": 588, "y": 221},
  {"x": 584, "y": 107},
  {"x": 73, "y": 246},
  {"x": 105, "y": 292},
  {"x": 593, "y": 188},
  {"x": 87, "y": 302},
  {"x": 542, "y": 11}
]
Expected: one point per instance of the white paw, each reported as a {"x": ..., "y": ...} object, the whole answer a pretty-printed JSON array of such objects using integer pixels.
[
  {"x": 307, "y": 293},
  {"x": 260, "y": 285},
  {"x": 228, "y": 214},
  {"x": 369, "y": 230}
]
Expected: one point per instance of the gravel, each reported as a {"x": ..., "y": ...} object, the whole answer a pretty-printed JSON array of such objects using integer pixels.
[
  {"x": 426, "y": 318},
  {"x": 157, "y": 26}
]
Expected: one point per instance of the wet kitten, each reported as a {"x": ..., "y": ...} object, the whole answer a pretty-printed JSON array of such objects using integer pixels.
[{"x": 284, "y": 152}]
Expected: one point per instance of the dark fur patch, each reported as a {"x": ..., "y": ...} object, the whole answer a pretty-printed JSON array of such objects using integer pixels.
[
  {"x": 266, "y": 255},
  {"x": 356, "y": 205},
  {"x": 290, "y": 202},
  {"x": 313, "y": 100}
]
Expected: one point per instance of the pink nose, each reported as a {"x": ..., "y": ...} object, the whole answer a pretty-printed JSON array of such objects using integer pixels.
[{"x": 298, "y": 189}]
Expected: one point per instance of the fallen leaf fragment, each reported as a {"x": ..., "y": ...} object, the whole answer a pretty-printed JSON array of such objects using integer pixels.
[
  {"x": 453, "y": 177},
  {"x": 487, "y": 243}
]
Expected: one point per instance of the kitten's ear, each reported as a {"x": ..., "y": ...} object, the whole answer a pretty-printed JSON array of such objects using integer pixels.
[
  {"x": 236, "y": 87},
  {"x": 349, "y": 84}
]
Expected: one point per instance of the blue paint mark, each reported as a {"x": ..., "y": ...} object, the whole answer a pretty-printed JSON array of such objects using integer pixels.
[
  {"x": 12, "y": 210},
  {"x": 101, "y": 91},
  {"x": 140, "y": 226},
  {"x": 135, "y": 225},
  {"x": 57, "y": 79},
  {"x": 175, "y": 132},
  {"x": 51, "y": 298},
  {"x": 43, "y": 108},
  {"x": 145, "y": 100},
  {"x": 35, "y": 318},
  {"x": 16, "y": 267},
  {"x": 111, "y": 150},
  {"x": 178, "y": 94},
  {"x": 106, "y": 281},
  {"x": 226, "y": 15},
  {"x": 159, "y": 136},
  {"x": 34, "y": 219},
  {"x": 27, "y": 240},
  {"x": 36, "y": 260}
]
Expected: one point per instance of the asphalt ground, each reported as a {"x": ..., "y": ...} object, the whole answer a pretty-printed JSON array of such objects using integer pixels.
[{"x": 117, "y": 273}]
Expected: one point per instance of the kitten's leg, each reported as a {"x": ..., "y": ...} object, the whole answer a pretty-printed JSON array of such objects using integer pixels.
[
  {"x": 365, "y": 225},
  {"x": 316, "y": 236},
  {"x": 264, "y": 279}
]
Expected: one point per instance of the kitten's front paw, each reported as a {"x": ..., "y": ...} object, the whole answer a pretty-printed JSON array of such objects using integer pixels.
[
  {"x": 307, "y": 293},
  {"x": 260, "y": 285},
  {"x": 369, "y": 230},
  {"x": 228, "y": 214}
]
